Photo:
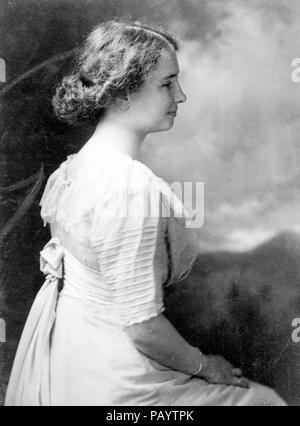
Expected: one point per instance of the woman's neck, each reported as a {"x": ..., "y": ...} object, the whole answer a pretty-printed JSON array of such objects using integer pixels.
[{"x": 114, "y": 136}]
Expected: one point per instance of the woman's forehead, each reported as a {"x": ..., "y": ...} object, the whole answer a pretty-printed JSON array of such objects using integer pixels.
[{"x": 167, "y": 67}]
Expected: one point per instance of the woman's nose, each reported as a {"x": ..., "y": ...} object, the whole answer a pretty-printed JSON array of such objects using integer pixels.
[{"x": 180, "y": 95}]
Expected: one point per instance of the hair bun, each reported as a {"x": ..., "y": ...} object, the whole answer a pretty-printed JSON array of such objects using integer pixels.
[{"x": 69, "y": 101}]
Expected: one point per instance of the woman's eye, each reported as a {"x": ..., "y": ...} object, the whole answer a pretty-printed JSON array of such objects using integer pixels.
[{"x": 167, "y": 84}]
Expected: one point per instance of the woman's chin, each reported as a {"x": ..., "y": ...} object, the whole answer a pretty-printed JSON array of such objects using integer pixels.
[
  {"x": 167, "y": 125},
  {"x": 170, "y": 124},
  {"x": 164, "y": 127}
]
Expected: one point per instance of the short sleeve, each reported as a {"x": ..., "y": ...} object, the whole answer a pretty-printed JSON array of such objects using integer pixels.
[{"x": 131, "y": 251}]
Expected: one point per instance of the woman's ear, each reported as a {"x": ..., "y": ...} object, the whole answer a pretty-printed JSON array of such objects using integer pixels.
[{"x": 124, "y": 102}]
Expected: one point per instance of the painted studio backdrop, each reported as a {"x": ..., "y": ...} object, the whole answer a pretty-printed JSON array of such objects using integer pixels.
[{"x": 238, "y": 133}]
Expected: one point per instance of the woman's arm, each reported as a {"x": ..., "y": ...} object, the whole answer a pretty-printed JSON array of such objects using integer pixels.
[{"x": 160, "y": 341}]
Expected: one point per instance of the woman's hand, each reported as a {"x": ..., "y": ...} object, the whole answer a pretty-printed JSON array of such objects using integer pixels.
[
  {"x": 217, "y": 370},
  {"x": 159, "y": 340}
]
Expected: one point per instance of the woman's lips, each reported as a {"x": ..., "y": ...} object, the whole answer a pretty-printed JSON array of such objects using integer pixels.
[{"x": 173, "y": 113}]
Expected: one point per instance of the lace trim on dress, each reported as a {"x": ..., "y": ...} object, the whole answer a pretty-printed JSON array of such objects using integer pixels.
[
  {"x": 145, "y": 316},
  {"x": 67, "y": 199}
]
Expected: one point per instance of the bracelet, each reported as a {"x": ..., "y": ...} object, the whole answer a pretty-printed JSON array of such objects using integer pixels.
[{"x": 201, "y": 364}]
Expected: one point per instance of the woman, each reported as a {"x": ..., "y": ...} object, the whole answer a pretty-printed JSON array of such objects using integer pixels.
[{"x": 96, "y": 334}]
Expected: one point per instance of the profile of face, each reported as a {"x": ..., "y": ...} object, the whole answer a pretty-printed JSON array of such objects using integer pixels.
[{"x": 154, "y": 107}]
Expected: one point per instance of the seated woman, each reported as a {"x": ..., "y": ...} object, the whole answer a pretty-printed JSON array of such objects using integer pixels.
[{"x": 96, "y": 334}]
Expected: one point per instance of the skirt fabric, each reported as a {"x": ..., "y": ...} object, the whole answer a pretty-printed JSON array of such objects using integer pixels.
[{"x": 74, "y": 351}]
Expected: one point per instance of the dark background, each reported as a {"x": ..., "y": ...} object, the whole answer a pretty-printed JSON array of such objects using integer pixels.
[{"x": 243, "y": 293}]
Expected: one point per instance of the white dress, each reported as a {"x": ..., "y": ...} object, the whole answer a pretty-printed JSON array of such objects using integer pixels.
[{"x": 104, "y": 271}]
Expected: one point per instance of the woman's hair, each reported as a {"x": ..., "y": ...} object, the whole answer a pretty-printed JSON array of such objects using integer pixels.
[{"x": 113, "y": 61}]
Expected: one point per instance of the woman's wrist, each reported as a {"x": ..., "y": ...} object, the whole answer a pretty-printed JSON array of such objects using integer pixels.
[{"x": 198, "y": 363}]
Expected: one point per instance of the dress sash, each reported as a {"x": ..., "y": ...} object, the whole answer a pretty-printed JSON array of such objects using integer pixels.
[{"x": 29, "y": 383}]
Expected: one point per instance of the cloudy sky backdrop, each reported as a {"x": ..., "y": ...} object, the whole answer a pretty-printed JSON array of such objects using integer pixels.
[{"x": 239, "y": 130}]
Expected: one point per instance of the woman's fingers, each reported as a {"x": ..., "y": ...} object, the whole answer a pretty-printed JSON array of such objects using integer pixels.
[
  {"x": 241, "y": 382},
  {"x": 232, "y": 381},
  {"x": 237, "y": 372}
]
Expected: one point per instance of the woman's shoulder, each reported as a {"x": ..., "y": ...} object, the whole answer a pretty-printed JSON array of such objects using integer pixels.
[{"x": 73, "y": 190}]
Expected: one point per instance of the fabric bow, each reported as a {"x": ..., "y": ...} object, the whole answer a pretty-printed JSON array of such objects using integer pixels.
[
  {"x": 30, "y": 378},
  {"x": 51, "y": 259}
]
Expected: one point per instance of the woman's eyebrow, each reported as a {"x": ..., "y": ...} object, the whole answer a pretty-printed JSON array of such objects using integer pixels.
[{"x": 171, "y": 76}]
